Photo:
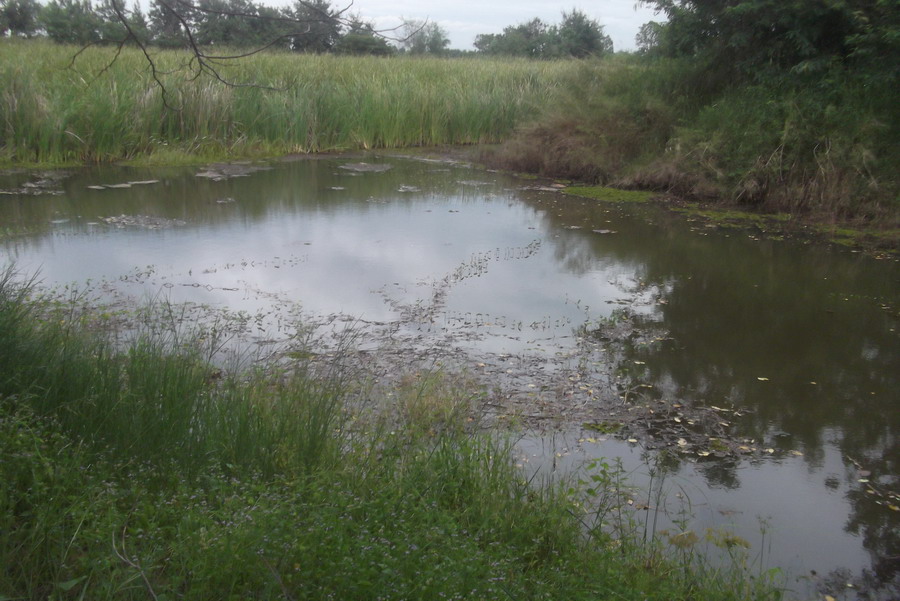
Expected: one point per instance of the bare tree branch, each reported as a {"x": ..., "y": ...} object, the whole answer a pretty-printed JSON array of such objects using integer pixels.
[{"x": 133, "y": 37}]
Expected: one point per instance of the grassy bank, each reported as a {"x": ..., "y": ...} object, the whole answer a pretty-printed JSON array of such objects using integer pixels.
[
  {"x": 137, "y": 470},
  {"x": 819, "y": 145},
  {"x": 56, "y": 110}
]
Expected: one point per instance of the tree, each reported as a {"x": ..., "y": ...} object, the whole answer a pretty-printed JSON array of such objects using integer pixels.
[
  {"x": 220, "y": 22},
  {"x": 237, "y": 23},
  {"x": 200, "y": 23},
  {"x": 322, "y": 26},
  {"x": 361, "y": 38},
  {"x": 421, "y": 37},
  {"x": 750, "y": 36},
  {"x": 138, "y": 22},
  {"x": 168, "y": 21},
  {"x": 19, "y": 17},
  {"x": 649, "y": 36},
  {"x": 527, "y": 39},
  {"x": 71, "y": 21},
  {"x": 80, "y": 22},
  {"x": 580, "y": 36},
  {"x": 577, "y": 36},
  {"x": 110, "y": 30}
]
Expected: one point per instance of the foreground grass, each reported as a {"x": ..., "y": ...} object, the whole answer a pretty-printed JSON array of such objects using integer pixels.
[
  {"x": 58, "y": 110},
  {"x": 138, "y": 471}
]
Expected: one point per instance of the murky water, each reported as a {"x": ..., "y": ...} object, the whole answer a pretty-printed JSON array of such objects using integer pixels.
[{"x": 569, "y": 305}]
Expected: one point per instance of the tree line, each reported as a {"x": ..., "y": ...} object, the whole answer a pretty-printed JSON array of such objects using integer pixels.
[
  {"x": 306, "y": 26},
  {"x": 757, "y": 39},
  {"x": 577, "y": 35}
]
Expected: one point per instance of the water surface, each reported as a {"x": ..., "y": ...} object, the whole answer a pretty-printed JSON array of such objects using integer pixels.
[{"x": 563, "y": 302}]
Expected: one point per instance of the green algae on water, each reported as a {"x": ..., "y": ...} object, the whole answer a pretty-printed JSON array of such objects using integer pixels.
[
  {"x": 734, "y": 217},
  {"x": 609, "y": 194}
]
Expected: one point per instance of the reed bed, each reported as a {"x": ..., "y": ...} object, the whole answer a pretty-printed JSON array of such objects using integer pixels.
[{"x": 55, "y": 109}]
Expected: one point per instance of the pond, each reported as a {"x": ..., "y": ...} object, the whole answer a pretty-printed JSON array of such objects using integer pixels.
[{"x": 765, "y": 370}]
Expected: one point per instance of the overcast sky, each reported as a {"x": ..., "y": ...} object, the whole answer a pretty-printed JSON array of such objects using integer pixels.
[{"x": 464, "y": 19}]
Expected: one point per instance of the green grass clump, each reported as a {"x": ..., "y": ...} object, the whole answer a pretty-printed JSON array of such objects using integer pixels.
[
  {"x": 159, "y": 400},
  {"x": 137, "y": 470}
]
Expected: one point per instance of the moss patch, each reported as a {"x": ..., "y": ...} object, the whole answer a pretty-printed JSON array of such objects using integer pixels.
[
  {"x": 733, "y": 217},
  {"x": 609, "y": 194},
  {"x": 777, "y": 225},
  {"x": 868, "y": 238}
]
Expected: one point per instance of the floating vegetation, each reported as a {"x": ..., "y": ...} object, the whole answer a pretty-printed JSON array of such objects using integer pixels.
[
  {"x": 555, "y": 188},
  {"x": 145, "y": 182},
  {"x": 222, "y": 171},
  {"x": 609, "y": 194},
  {"x": 366, "y": 167},
  {"x": 775, "y": 226},
  {"x": 885, "y": 240},
  {"x": 142, "y": 221},
  {"x": 733, "y": 217},
  {"x": 604, "y": 427},
  {"x": 39, "y": 183}
]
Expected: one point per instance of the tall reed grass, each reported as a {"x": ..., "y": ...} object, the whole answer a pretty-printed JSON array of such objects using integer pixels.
[{"x": 54, "y": 109}]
